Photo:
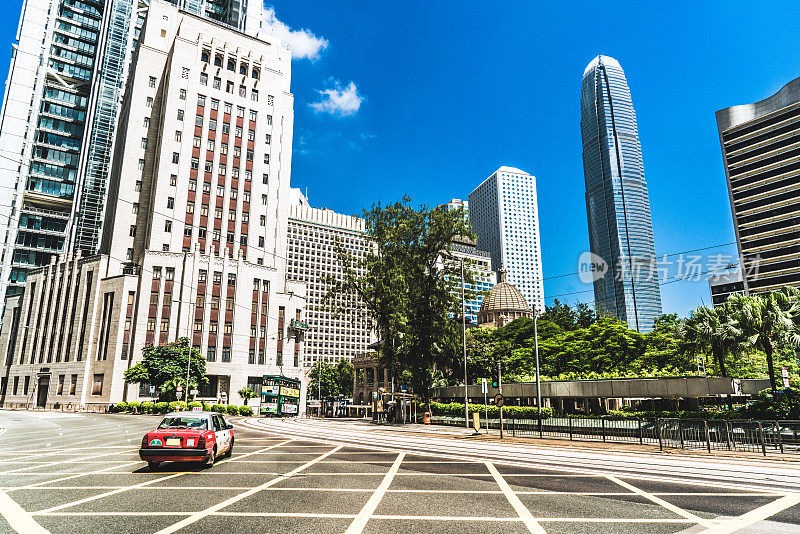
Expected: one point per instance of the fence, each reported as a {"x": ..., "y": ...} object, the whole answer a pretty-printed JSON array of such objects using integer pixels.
[{"x": 780, "y": 437}]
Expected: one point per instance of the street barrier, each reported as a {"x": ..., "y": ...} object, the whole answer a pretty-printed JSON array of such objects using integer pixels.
[{"x": 764, "y": 437}]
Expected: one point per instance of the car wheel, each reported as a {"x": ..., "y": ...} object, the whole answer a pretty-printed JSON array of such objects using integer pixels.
[
  {"x": 153, "y": 465},
  {"x": 230, "y": 450},
  {"x": 212, "y": 458}
]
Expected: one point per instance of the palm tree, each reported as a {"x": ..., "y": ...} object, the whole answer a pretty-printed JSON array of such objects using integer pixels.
[
  {"x": 712, "y": 331},
  {"x": 768, "y": 323}
]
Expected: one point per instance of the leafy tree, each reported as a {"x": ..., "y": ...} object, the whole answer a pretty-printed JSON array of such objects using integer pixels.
[
  {"x": 344, "y": 377},
  {"x": 407, "y": 288},
  {"x": 767, "y": 322},
  {"x": 164, "y": 367},
  {"x": 713, "y": 331},
  {"x": 246, "y": 394},
  {"x": 324, "y": 380}
]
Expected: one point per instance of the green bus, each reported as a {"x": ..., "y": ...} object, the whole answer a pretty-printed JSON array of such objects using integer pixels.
[{"x": 280, "y": 396}]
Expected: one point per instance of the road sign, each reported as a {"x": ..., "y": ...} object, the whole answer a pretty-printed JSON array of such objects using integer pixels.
[
  {"x": 152, "y": 389},
  {"x": 483, "y": 386},
  {"x": 192, "y": 392},
  {"x": 179, "y": 389},
  {"x": 499, "y": 400},
  {"x": 403, "y": 388},
  {"x": 785, "y": 376}
]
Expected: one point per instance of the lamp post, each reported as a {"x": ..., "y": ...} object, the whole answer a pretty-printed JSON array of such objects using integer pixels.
[
  {"x": 464, "y": 343},
  {"x": 538, "y": 384}
]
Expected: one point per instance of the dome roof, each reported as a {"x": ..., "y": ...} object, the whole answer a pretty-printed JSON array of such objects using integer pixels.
[{"x": 504, "y": 296}]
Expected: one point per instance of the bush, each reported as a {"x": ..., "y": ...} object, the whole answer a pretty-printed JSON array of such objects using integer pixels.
[
  {"x": 177, "y": 406},
  {"x": 456, "y": 409},
  {"x": 146, "y": 407},
  {"x": 784, "y": 404},
  {"x": 133, "y": 407},
  {"x": 161, "y": 407},
  {"x": 245, "y": 411},
  {"x": 219, "y": 408},
  {"x": 232, "y": 409},
  {"x": 120, "y": 407}
]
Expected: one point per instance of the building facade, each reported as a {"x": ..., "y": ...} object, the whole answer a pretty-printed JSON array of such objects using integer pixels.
[
  {"x": 478, "y": 263},
  {"x": 725, "y": 283},
  {"x": 339, "y": 329},
  {"x": 504, "y": 214},
  {"x": 760, "y": 148},
  {"x": 189, "y": 249},
  {"x": 502, "y": 304},
  {"x": 59, "y": 117},
  {"x": 617, "y": 202}
]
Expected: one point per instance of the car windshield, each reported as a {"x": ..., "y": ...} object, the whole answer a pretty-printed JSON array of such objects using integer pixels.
[{"x": 199, "y": 423}]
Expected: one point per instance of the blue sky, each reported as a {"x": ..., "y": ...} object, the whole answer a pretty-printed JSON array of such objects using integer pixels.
[{"x": 443, "y": 93}]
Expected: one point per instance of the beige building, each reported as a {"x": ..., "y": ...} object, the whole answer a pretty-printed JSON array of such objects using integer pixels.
[
  {"x": 194, "y": 240},
  {"x": 502, "y": 304}
]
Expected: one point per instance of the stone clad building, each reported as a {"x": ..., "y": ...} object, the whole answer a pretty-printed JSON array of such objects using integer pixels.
[{"x": 194, "y": 240}]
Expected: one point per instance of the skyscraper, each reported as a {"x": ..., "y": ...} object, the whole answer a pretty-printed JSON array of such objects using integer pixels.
[
  {"x": 617, "y": 204},
  {"x": 504, "y": 214},
  {"x": 58, "y": 122},
  {"x": 760, "y": 147}
]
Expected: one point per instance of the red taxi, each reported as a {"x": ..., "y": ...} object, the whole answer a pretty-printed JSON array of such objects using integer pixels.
[{"x": 187, "y": 437}]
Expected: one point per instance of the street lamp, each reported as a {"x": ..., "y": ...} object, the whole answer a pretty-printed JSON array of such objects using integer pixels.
[
  {"x": 464, "y": 343},
  {"x": 538, "y": 384}
]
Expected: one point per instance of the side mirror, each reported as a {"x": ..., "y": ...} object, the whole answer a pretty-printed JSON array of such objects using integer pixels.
[{"x": 229, "y": 426}]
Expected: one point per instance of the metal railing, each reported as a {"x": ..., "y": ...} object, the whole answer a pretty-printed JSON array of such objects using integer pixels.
[{"x": 765, "y": 437}]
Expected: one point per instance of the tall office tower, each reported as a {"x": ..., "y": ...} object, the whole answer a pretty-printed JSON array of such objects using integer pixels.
[
  {"x": 59, "y": 119},
  {"x": 194, "y": 241},
  {"x": 617, "y": 204},
  {"x": 311, "y": 258},
  {"x": 760, "y": 144},
  {"x": 479, "y": 264},
  {"x": 724, "y": 283},
  {"x": 504, "y": 215},
  {"x": 42, "y": 127},
  {"x": 456, "y": 204}
]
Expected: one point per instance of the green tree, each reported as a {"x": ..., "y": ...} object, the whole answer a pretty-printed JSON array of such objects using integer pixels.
[
  {"x": 406, "y": 288},
  {"x": 344, "y": 377},
  {"x": 246, "y": 394},
  {"x": 712, "y": 331},
  {"x": 323, "y": 379},
  {"x": 164, "y": 367},
  {"x": 768, "y": 323}
]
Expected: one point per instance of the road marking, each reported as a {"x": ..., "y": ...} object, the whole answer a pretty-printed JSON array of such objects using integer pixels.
[
  {"x": 358, "y": 524},
  {"x": 669, "y": 506},
  {"x": 208, "y": 511},
  {"x": 18, "y": 518},
  {"x": 754, "y": 516},
  {"x": 42, "y": 483},
  {"x": 17, "y": 470},
  {"x": 522, "y": 510}
]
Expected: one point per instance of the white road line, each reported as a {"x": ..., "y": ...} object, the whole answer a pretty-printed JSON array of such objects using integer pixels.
[
  {"x": 17, "y": 470},
  {"x": 18, "y": 518},
  {"x": 754, "y": 516},
  {"x": 70, "y": 477},
  {"x": 208, "y": 511},
  {"x": 661, "y": 502},
  {"x": 522, "y": 510},
  {"x": 358, "y": 524}
]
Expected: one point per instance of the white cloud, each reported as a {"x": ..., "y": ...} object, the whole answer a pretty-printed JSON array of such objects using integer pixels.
[
  {"x": 339, "y": 101},
  {"x": 302, "y": 43}
]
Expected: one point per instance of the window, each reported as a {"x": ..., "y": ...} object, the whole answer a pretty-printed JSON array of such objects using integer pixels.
[
  {"x": 242, "y": 91},
  {"x": 182, "y": 94},
  {"x": 269, "y": 120},
  {"x": 146, "y": 123},
  {"x": 149, "y": 102},
  {"x": 173, "y": 179},
  {"x": 253, "y": 115},
  {"x": 175, "y": 157},
  {"x": 231, "y": 65},
  {"x": 206, "y": 187},
  {"x": 212, "y": 327},
  {"x": 264, "y": 198},
  {"x": 132, "y": 231},
  {"x": 141, "y": 164},
  {"x": 239, "y": 111},
  {"x": 226, "y": 128},
  {"x": 254, "y": 95},
  {"x": 198, "y": 120},
  {"x": 218, "y": 60},
  {"x": 226, "y": 354},
  {"x": 228, "y": 328},
  {"x": 165, "y": 247},
  {"x": 203, "y": 78},
  {"x": 204, "y": 57},
  {"x": 168, "y": 226},
  {"x": 265, "y": 181},
  {"x": 178, "y": 136},
  {"x": 251, "y": 135},
  {"x": 211, "y": 354},
  {"x": 231, "y": 279},
  {"x": 204, "y": 210},
  {"x": 269, "y": 139},
  {"x": 60, "y": 390},
  {"x": 228, "y": 107},
  {"x": 263, "y": 220},
  {"x": 210, "y": 145},
  {"x": 73, "y": 383},
  {"x": 180, "y": 114},
  {"x": 97, "y": 385},
  {"x": 217, "y": 213},
  {"x": 237, "y": 152},
  {"x": 187, "y": 230},
  {"x": 261, "y": 241},
  {"x": 223, "y": 149},
  {"x": 170, "y": 203},
  {"x": 190, "y": 207},
  {"x": 129, "y": 254},
  {"x": 266, "y": 159},
  {"x": 229, "y": 87},
  {"x": 251, "y": 357},
  {"x": 152, "y": 81},
  {"x": 243, "y": 69},
  {"x": 270, "y": 100},
  {"x": 279, "y": 358},
  {"x": 216, "y": 82},
  {"x": 192, "y": 185},
  {"x": 201, "y": 100},
  {"x": 202, "y": 275},
  {"x": 217, "y": 277},
  {"x": 249, "y": 155},
  {"x": 212, "y": 125},
  {"x": 248, "y": 176},
  {"x": 214, "y": 104},
  {"x": 195, "y": 163}
]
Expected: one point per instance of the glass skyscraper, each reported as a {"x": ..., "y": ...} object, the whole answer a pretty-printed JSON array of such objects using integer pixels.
[{"x": 617, "y": 204}]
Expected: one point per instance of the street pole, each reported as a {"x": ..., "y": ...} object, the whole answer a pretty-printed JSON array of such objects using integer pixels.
[
  {"x": 464, "y": 343},
  {"x": 188, "y": 364},
  {"x": 538, "y": 383},
  {"x": 319, "y": 387}
]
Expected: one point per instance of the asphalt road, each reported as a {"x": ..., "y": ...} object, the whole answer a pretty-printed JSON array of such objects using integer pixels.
[{"x": 81, "y": 473}]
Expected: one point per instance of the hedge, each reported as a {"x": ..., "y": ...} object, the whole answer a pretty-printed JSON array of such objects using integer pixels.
[
  {"x": 456, "y": 409},
  {"x": 245, "y": 410},
  {"x": 148, "y": 407},
  {"x": 233, "y": 409},
  {"x": 219, "y": 408}
]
